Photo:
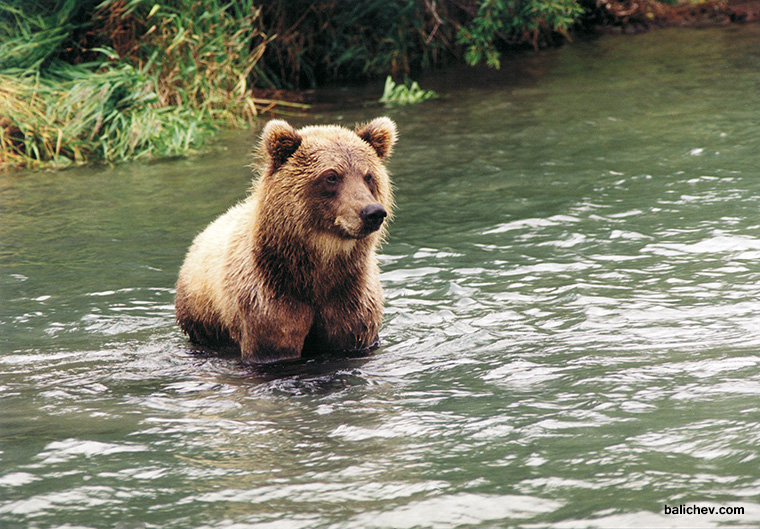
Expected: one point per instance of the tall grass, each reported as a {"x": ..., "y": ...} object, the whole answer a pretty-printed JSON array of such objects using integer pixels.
[
  {"x": 77, "y": 116},
  {"x": 30, "y": 33},
  {"x": 160, "y": 79},
  {"x": 111, "y": 80},
  {"x": 202, "y": 54}
]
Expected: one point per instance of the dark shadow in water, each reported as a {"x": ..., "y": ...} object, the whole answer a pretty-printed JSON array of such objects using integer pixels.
[{"x": 321, "y": 374}]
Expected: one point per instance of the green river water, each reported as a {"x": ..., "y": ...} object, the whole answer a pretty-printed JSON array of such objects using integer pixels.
[{"x": 572, "y": 331}]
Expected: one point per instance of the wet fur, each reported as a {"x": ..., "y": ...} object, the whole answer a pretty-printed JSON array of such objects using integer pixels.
[{"x": 291, "y": 271}]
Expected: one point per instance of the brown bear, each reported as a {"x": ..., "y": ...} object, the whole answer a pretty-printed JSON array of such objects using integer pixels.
[{"x": 292, "y": 270}]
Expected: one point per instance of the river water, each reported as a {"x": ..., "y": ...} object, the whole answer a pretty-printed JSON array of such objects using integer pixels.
[{"x": 572, "y": 332}]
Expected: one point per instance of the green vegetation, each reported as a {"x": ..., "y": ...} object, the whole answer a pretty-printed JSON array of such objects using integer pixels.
[
  {"x": 404, "y": 94},
  {"x": 134, "y": 80},
  {"x": 80, "y": 115},
  {"x": 515, "y": 21},
  {"x": 112, "y": 80}
]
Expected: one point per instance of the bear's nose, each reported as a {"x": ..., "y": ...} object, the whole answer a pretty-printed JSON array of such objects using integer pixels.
[{"x": 373, "y": 216}]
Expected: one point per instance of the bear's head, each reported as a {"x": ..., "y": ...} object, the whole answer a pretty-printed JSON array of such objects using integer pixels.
[{"x": 327, "y": 180}]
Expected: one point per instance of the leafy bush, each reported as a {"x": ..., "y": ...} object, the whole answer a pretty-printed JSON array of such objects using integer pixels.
[{"x": 515, "y": 22}]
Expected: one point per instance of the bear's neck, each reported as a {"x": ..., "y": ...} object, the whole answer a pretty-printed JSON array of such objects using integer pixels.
[{"x": 313, "y": 270}]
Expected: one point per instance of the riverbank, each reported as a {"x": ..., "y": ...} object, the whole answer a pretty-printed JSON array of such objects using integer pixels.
[
  {"x": 629, "y": 16},
  {"x": 91, "y": 81}
]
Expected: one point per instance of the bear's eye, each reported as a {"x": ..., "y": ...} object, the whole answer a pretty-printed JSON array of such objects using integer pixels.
[
  {"x": 331, "y": 177},
  {"x": 368, "y": 178}
]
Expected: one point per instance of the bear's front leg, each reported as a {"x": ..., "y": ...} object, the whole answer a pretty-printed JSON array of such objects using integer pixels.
[
  {"x": 348, "y": 325},
  {"x": 276, "y": 333}
]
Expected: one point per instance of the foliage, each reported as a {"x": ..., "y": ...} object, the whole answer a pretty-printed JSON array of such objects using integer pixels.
[
  {"x": 159, "y": 78},
  {"x": 199, "y": 54},
  {"x": 338, "y": 39},
  {"x": 404, "y": 94},
  {"x": 515, "y": 22},
  {"x": 32, "y": 33},
  {"x": 110, "y": 80},
  {"x": 77, "y": 115}
]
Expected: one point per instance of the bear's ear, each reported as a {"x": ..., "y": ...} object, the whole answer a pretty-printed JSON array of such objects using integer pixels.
[
  {"x": 380, "y": 133},
  {"x": 280, "y": 141}
]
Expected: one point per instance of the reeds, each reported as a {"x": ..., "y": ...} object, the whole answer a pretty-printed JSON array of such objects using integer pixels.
[
  {"x": 82, "y": 116},
  {"x": 203, "y": 54},
  {"x": 182, "y": 70},
  {"x": 113, "y": 80}
]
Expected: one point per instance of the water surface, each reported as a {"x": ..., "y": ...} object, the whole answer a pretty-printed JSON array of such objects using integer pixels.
[{"x": 572, "y": 333}]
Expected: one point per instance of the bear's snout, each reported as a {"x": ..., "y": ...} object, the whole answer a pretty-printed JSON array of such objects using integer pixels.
[{"x": 373, "y": 216}]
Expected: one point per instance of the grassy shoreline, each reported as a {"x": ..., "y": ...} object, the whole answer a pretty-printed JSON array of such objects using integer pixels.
[{"x": 85, "y": 81}]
